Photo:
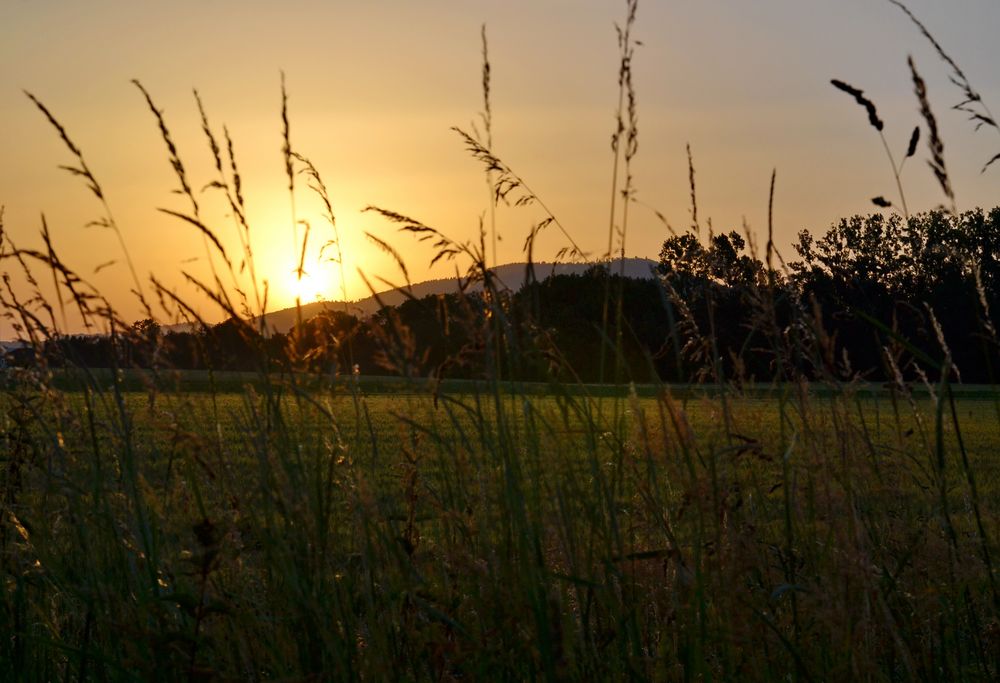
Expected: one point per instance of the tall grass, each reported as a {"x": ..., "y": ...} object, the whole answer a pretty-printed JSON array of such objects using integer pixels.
[{"x": 311, "y": 528}]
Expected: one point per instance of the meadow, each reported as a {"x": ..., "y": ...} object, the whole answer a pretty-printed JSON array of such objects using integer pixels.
[
  {"x": 301, "y": 525},
  {"x": 282, "y": 532}
]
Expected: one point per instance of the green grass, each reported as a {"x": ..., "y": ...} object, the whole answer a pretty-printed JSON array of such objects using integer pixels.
[{"x": 276, "y": 533}]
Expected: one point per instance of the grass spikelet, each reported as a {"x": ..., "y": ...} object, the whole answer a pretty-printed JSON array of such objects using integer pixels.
[
  {"x": 986, "y": 317},
  {"x": 234, "y": 197},
  {"x": 770, "y": 222},
  {"x": 911, "y": 148},
  {"x": 859, "y": 97},
  {"x": 446, "y": 247},
  {"x": 237, "y": 179},
  {"x": 175, "y": 159},
  {"x": 202, "y": 228},
  {"x": 877, "y": 123},
  {"x": 509, "y": 187},
  {"x": 286, "y": 136},
  {"x": 487, "y": 118},
  {"x": 213, "y": 144},
  {"x": 934, "y": 142},
  {"x": 626, "y": 130},
  {"x": 319, "y": 188},
  {"x": 300, "y": 270},
  {"x": 391, "y": 251},
  {"x": 82, "y": 170},
  {"x": 695, "y": 225},
  {"x": 939, "y": 335},
  {"x": 972, "y": 103}
]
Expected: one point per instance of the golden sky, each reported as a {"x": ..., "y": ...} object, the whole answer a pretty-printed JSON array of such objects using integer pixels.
[{"x": 374, "y": 88}]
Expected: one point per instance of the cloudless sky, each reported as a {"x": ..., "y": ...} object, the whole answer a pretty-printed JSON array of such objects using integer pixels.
[{"x": 374, "y": 88}]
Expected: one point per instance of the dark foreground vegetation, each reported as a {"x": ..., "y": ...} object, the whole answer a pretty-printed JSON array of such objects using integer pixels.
[{"x": 819, "y": 501}]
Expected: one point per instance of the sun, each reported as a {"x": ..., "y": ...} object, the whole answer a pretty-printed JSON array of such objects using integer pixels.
[
  {"x": 319, "y": 279},
  {"x": 304, "y": 287}
]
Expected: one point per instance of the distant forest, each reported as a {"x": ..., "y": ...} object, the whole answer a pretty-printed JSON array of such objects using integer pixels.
[{"x": 876, "y": 297}]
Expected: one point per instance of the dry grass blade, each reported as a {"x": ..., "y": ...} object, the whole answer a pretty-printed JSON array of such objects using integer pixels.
[
  {"x": 185, "y": 189},
  {"x": 219, "y": 297},
  {"x": 410, "y": 224},
  {"x": 82, "y": 293},
  {"x": 972, "y": 103},
  {"x": 529, "y": 241},
  {"x": 237, "y": 180},
  {"x": 879, "y": 125},
  {"x": 391, "y": 251},
  {"x": 24, "y": 320},
  {"x": 301, "y": 271},
  {"x": 487, "y": 114},
  {"x": 627, "y": 47},
  {"x": 625, "y": 90},
  {"x": 446, "y": 247},
  {"x": 317, "y": 185},
  {"x": 207, "y": 130},
  {"x": 288, "y": 154},
  {"x": 175, "y": 160},
  {"x": 934, "y": 142},
  {"x": 82, "y": 170},
  {"x": 508, "y": 185},
  {"x": 165, "y": 294},
  {"x": 694, "y": 195},
  {"x": 958, "y": 76},
  {"x": 286, "y": 148},
  {"x": 234, "y": 197},
  {"x": 16, "y": 253},
  {"x": 201, "y": 227},
  {"x": 487, "y": 118},
  {"x": 659, "y": 215},
  {"x": 986, "y": 319},
  {"x": 47, "y": 239},
  {"x": 770, "y": 223}
]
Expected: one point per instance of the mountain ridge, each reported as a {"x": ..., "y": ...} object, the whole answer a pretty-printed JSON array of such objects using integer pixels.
[{"x": 510, "y": 275}]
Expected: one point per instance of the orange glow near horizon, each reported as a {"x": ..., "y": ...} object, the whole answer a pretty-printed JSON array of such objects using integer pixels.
[{"x": 376, "y": 121}]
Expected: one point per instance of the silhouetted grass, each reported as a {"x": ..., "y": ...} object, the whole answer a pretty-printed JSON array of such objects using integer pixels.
[{"x": 164, "y": 525}]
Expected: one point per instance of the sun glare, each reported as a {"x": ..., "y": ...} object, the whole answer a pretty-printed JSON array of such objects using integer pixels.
[
  {"x": 319, "y": 281},
  {"x": 306, "y": 288}
]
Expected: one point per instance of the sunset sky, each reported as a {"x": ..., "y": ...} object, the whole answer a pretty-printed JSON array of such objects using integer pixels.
[{"x": 374, "y": 88}]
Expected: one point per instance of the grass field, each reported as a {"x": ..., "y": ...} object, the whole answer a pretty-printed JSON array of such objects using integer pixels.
[{"x": 277, "y": 532}]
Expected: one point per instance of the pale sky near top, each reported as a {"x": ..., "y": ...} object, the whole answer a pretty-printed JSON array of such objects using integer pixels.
[{"x": 374, "y": 88}]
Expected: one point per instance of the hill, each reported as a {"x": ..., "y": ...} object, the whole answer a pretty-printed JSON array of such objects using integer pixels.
[{"x": 511, "y": 275}]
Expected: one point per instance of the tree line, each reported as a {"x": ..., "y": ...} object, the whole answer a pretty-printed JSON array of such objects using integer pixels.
[{"x": 876, "y": 297}]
